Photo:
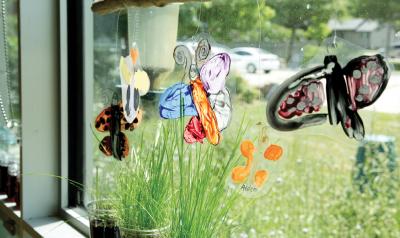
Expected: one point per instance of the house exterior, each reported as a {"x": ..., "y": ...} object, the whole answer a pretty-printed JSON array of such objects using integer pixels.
[{"x": 368, "y": 34}]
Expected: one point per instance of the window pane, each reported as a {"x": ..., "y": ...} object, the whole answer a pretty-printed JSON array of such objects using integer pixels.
[{"x": 328, "y": 179}]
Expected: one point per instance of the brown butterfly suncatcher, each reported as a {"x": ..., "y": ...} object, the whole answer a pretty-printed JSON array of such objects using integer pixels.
[{"x": 112, "y": 120}]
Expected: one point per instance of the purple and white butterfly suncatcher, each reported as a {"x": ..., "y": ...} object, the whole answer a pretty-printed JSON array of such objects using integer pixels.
[{"x": 206, "y": 98}]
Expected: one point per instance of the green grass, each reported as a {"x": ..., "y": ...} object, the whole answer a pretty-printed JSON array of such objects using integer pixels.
[
  {"x": 143, "y": 193},
  {"x": 202, "y": 199}
]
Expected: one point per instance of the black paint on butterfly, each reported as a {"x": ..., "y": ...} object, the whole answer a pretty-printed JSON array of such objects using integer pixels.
[{"x": 357, "y": 85}]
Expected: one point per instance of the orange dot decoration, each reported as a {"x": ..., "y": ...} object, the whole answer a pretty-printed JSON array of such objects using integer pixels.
[{"x": 260, "y": 166}]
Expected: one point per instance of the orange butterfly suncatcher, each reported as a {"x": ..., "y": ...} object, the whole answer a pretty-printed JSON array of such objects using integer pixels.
[
  {"x": 112, "y": 119},
  {"x": 252, "y": 176}
]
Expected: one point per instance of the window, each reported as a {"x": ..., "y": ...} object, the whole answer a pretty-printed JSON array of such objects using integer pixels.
[
  {"x": 67, "y": 75},
  {"x": 321, "y": 168}
]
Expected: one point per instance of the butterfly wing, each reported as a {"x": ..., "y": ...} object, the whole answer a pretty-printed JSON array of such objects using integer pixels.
[
  {"x": 206, "y": 114},
  {"x": 366, "y": 78},
  {"x": 125, "y": 69},
  {"x": 105, "y": 146},
  {"x": 301, "y": 94},
  {"x": 176, "y": 98},
  {"x": 103, "y": 120},
  {"x": 222, "y": 107},
  {"x": 125, "y": 125},
  {"x": 130, "y": 94},
  {"x": 142, "y": 82},
  {"x": 213, "y": 73},
  {"x": 194, "y": 131}
]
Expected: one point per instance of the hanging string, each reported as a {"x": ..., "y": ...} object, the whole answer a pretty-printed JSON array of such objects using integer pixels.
[
  {"x": 200, "y": 23},
  {"x": 117, "y": 43},
  {"x": 334, "y": 37}
]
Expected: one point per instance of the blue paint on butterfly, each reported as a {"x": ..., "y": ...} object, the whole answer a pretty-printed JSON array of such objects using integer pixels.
[{"x": 170, "y": 102}]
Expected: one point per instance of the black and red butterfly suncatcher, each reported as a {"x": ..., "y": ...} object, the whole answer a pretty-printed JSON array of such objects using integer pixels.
[
  {"x": 357, "y": 85},
  {"x": 112, "y": 119}
]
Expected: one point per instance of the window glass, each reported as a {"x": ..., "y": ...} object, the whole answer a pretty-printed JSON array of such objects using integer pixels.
[
  {"x": 330, "y": 185},
  {"x": 10, "y": 128}
]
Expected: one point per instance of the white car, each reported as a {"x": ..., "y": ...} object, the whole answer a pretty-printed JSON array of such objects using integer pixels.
[{"x": 250, "y": 60}]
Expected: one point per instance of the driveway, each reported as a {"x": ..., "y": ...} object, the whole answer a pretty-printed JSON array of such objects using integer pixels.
[{"x": 388, "y": 102}]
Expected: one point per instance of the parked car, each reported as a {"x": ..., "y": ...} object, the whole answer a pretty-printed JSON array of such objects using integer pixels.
[{"x": 250, "y": 60}]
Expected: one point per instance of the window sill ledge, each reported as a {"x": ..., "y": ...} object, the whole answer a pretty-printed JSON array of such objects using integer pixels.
[
  {"x": 10, "y": 206},
  {"x": 54, "y": 227},
  {"x": 48, "y": 227}
]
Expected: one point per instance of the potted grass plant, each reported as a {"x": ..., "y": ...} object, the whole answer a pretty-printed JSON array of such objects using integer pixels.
[
  {"x": 143, "y": 190},
  {"x": 170, "y": 189}
]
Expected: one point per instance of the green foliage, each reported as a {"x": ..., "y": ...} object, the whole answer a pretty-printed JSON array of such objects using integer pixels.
[
  {"x": 384, "y": 11},
  {"x": 275, "y": 32},
  {"x": 298, "y": 14},
  {"x": 310, "y": 19},
  {"x": 241, "y": 17},
  {"x": 396, "y": 65},
  {"x": 309, "y": 53},
  {"x": 143, "y": 193},
  {"x": 249, "y": 95},
  {"x": 239, "y": 88},
  {"x": 236, "y": 84},
  {"x": 318, "y": 31}
]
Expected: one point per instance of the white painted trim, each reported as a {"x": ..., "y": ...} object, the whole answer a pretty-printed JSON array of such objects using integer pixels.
[
  {"x": 88, "y": 52},
  {"x": 64, "y": 101},
  {"x": 39, "y": 71}
]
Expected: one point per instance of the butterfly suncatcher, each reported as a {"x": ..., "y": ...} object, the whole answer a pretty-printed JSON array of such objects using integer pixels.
[
  {"x": 206, "y": 98},
  {"x": 260, "y": 162},
  {"x": 357, "y": 85},
  {"x": 123, "y": 114},
  {"x": 134, "y": 83},
  {"x": 112, "y": 120}
]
